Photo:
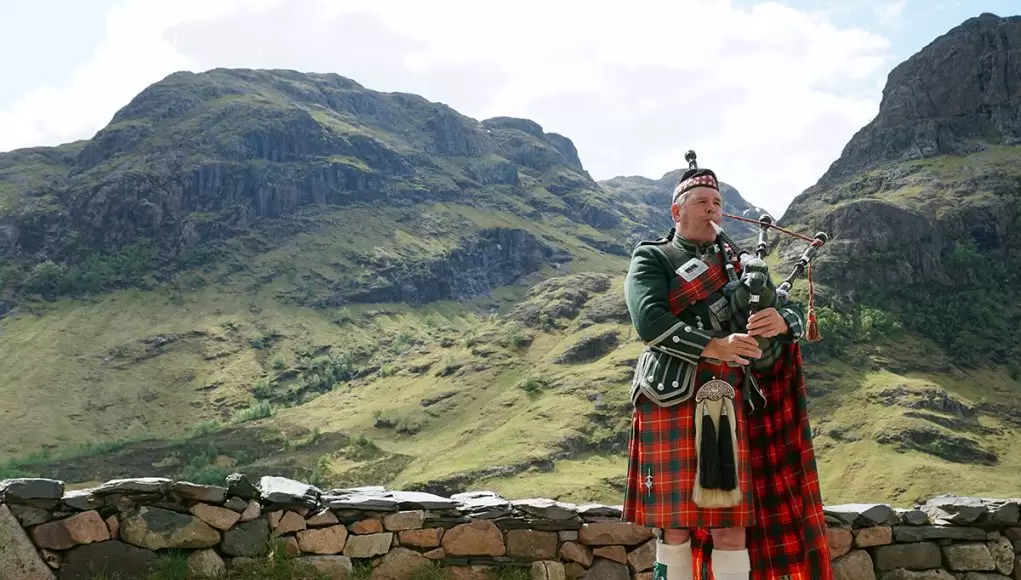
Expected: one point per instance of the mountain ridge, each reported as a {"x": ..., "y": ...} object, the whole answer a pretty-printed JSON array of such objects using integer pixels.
[
  {"x": 926, "y": 110},
  {"x": 470, "y": 299}
]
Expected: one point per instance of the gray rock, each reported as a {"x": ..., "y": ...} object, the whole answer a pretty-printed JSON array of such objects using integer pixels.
[
  {"x": 956, "y": 510},
  {"x": 914, "y": 556},
  {"x": 969, "y": 557},
  {"x": 239, "y": 485},
  {"x": 248, "y": 540},
  {"x": 932, "y": 106},
  {"x": 30, "y": 516},
  {"x": 863, "y": 514},
  {"x": 280, "y": 490},
  {"x": 113, "y": 558},
  {"x": 484, "y": 505},
  {"x": 236, "y": 504},
  {"x": 368, "y": 545},
  {"x": 365, "y": 489},
  {"x": 1006, "y": 514},
  {"x": 855, "y": 565},
  {"x": 411, "y": 500},
  {"x": 206, "y": 564},
  {"x": 211, "y": 494},
  {"x": 379, "y": 498},
  {"x": 547, "y": 509},
  {"x": 595, "y": 510},
  {"x": 339, "y": 567},
  {"x": 158, "y": 485},
  {"x": 360, "y": 501},
  {"x": 923, "y": 533},
  {"x": 82, "y": 500},
  {"x": 1002, "y": 551},
  {"x": 912, "y": 517},
  {"x": 18, "y": 556},
  {"x": 477, "y": 494},
  {"x": 156, "y": 529},
  {"x": 901, "y": 574},
  {"x": 30, "y": 488},
  {"x": 603, "y": 569}
]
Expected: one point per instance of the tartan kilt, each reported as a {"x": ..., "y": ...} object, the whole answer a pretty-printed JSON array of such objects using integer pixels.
[
  {"x": 789, "y": 540},
  {"x": 662, "y": 441}
]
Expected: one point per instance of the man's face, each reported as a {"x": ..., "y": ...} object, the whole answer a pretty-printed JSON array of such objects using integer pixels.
[{"x": 694, "y": 218}]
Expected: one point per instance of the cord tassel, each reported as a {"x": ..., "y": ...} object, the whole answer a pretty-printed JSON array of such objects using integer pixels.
[
  {"x": 716, "y": 479},
  {"x": 709, "y": 461},
  {"x": 728, "y": 463},
  {"x": 812, "y": 331}
]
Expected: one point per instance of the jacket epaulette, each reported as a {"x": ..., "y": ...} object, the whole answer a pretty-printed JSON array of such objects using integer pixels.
[{"x": 659, "y": 242}]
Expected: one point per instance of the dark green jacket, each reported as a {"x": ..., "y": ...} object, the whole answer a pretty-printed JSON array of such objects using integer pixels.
[{"x": 665, "y": 371}]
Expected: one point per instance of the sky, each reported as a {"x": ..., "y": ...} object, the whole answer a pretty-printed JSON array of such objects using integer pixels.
[{"x": 767, "y": 93}]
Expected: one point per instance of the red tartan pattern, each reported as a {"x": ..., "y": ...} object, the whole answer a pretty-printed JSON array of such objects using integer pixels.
[
  {"x": 663, "y": 442},
  {"x": 687, "y": 293},
  {"x": 789, "y": 538},
  {"x": 663, "y": 439}
]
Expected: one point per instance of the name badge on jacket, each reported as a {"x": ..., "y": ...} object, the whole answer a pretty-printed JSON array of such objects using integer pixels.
[{"x": 692, "y": 269}]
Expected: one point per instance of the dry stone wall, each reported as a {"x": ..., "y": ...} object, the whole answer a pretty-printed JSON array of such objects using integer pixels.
[{"x": 124, "y": 527}]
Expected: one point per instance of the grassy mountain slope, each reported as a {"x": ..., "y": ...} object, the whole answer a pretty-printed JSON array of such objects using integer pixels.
[
  {"x": 238, "y": 244},
  {"x": 281, "y": 273}
]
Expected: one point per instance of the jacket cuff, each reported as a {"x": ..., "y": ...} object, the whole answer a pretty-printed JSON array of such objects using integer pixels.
[
  {"x": 683, "y": 341},
  {"x": 797, "y": 325}
]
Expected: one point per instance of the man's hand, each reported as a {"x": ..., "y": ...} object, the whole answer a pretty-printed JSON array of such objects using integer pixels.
[
  {"x": 767, "y": 323},
  {"x": 733, "y": 348}
]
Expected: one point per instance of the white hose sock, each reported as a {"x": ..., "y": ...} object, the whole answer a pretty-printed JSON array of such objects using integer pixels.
[
  {"x": 673, "y": 561},
  {"x": 731, "y": 564}
]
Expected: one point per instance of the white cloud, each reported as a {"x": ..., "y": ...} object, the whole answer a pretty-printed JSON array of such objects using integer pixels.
[
  {"x": 768, "y": 96},
  {"x": 890, "y": 13}
]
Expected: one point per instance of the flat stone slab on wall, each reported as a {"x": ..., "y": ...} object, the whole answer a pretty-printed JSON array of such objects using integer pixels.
[{"x": 124, "y": 526}]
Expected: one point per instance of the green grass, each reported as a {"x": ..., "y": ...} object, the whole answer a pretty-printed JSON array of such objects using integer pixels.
[{"x": 449, "y": 396}]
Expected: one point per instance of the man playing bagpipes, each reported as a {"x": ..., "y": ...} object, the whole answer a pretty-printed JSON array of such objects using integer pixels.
[{"x": 721, "y": 461}]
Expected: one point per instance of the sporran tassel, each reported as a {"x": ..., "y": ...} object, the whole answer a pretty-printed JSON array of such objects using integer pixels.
[
  {"x": 715, "y": 484},
  {"x": 728, "y": 463},
  {"x": 709, "y": 461}
]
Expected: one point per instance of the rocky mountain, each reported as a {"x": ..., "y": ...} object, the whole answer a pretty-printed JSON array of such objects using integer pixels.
[
  {"x": 925, "y": 198},
  {"x": 650, "y": 198},
  {"x": 960, "y": 94},
  {"x": 291, "y": 271},
  {"x": 919, "y": 279},
  {"x": 196, "y": 163},
  {"x": 291, "y": 274}
]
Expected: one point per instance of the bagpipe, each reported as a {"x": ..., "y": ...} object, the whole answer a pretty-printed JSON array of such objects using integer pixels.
[{"x": 754, "y": 290}]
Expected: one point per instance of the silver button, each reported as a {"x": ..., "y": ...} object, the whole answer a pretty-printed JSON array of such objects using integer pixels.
[
  {"x": 677, "y": 339},
  {"x": 675, "y": 383},
  {"x": 687, "y": 329},
  {"x": 659, "y": 386}
]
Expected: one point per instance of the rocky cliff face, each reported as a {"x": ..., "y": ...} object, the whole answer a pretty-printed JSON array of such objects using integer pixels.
[
  {"x": 922, "y": 207},
  {"x": 199, "y": 159},
  {"x": 958, "y": 95}
]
